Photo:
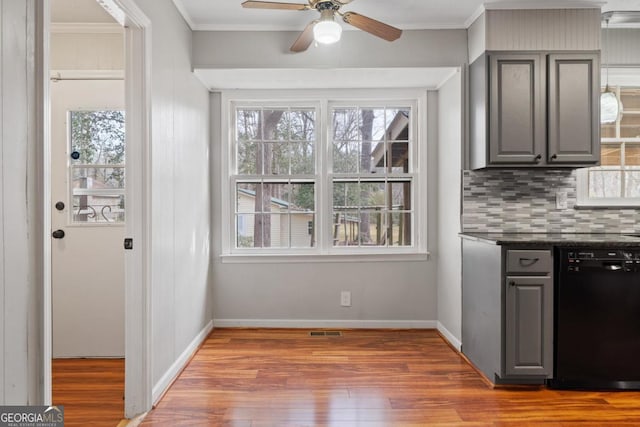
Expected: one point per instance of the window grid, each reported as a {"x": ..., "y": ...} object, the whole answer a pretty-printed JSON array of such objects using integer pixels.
[
  {"x": 274, "y": 182},
  {"x": 617, "y": 180},
  {"x": 371, "y": 155},
  {"x": 391, "y": 216}
]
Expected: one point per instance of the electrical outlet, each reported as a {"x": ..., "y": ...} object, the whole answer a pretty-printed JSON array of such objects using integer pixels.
[
  {"x": 345, "y": 298},
  {"x": 561, "y": 200}
]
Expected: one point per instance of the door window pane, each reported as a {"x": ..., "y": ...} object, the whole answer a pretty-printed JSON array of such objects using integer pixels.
[{"x": 96, "y": 166}]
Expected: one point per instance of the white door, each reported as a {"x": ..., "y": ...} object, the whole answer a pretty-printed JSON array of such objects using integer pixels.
[{"x": 87, "y": 216}]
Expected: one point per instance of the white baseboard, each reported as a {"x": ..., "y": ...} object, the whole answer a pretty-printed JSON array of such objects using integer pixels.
[
  {"x": 310, "y": 323},
  {"x": 455, "y": 342},
  {"x": 161, "y": 386}
]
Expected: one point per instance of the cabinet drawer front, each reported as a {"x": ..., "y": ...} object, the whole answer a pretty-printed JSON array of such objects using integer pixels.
[{"x": 529, "y": 261}]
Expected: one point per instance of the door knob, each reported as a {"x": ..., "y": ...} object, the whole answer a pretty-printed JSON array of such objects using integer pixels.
[{"x": 58, "y": 234}]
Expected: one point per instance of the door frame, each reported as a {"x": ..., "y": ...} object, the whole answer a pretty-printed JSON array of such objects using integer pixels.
[{"x": 137, "y": 26}]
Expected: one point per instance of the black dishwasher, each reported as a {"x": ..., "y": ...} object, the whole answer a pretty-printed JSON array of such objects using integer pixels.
[{"x": 597, "y": 318}]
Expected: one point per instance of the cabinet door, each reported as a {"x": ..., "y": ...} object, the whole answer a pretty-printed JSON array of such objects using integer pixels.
[
  {"x": 528, "y": 326},
  {"x": 574, "y": 108},
  {"x": 517, "y": 120}
]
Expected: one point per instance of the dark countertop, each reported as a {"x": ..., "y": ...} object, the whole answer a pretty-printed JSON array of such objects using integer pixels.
[{"x": 556, "y": 239}]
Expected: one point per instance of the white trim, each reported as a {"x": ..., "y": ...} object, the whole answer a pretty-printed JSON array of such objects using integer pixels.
[
  {"x": 85, "y": 28},
  {"x": 444, "y": 81},
  {"x": 138, "y": 54},
  {"x": 56, "y": 75},
  {"x": 44, "y": 101},
  {"x": 453, "y": 341},
  {"x": 544, "y": 4},
  {"x": 176, "y": 368},
  {"x": 317, "y": 258},
  {"x": 475, "y": 15},
  {"x": 185, "y": 15},
  {"x": 268, "y": 27},
  {"x": 311, "y": 323},
  {"x": 415, "y": 98}
]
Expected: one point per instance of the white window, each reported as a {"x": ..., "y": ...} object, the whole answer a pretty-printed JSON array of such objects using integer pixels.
[
  {"x": 96, "y": 166},
  {"x": 316, "y": 174},
  {"x": 616, "y": 182}
]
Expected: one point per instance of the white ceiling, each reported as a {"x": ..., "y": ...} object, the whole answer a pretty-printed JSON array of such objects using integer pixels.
[{"x": 404, "y": 14}]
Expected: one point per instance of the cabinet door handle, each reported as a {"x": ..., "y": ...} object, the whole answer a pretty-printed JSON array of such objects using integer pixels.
[
  {"x": 553, "y": 157},
  {"x": 528, "y": 262},
  {"x": 538, "y": 158},
  {"x": 512, "y": 283}
]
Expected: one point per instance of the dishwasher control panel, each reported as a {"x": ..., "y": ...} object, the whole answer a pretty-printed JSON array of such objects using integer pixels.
[{"x": 582, "y": 260}]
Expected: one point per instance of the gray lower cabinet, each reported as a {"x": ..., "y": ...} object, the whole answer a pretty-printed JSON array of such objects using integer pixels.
[
  {"x": 534, "y": 109},
  {"x": 528, "y": 326},
  {"x": 507, "y": 311}
]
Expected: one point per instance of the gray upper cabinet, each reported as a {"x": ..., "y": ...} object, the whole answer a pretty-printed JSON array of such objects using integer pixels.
[
  {"x": 534, "y": 109},
  {"x": 574, "y": 108},
  {"x": 516, "y": 115}
]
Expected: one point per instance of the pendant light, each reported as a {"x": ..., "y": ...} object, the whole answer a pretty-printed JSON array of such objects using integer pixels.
[{"x": 610, "y": 105}]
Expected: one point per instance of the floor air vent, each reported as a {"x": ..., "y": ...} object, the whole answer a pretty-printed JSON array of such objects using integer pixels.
[{"x": 325, "y": 333}]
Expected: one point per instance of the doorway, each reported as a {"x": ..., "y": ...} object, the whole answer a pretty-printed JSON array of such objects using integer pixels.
[
  {"x": 98, "y": 182},
  {"x": 87, "y": 129}
]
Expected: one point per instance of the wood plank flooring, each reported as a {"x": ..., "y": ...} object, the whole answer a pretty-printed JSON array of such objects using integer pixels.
[
  {"x": 91, "y": 391},
  {"x": 272, "y": 377}
]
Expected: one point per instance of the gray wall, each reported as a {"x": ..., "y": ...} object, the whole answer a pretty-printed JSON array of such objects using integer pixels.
[
  {"x": 21, "y": 254},
  {"x": 180, "y": 260},
  {"x": 523, "y": 200},
  {"x": 303, "y": 294},
  {"x": 270, "y": 49},
  {"x": 400, "y": 293},
  {"x": 448, "y": 249}
]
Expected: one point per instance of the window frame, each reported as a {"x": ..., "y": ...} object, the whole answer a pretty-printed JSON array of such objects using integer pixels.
[
  {"x": 70, "y": 167},
  {"x": 324, "y": 100},
  {"x": 582, "y": 175}
]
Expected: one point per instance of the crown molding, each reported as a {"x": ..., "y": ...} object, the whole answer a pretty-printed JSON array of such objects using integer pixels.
[
  {"x": 185, "y": 15},
  {"x": 544, "y": 4}
]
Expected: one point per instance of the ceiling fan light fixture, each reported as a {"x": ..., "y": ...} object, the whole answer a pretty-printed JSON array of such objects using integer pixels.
[{"x": 327, "y": 31}]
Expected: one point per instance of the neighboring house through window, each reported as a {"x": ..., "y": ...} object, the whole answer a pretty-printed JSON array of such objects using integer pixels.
[{"x": 317, "y": 174}]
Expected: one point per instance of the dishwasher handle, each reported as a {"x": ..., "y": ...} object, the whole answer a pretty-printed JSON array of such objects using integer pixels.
[{"x": 612, "y": 266}]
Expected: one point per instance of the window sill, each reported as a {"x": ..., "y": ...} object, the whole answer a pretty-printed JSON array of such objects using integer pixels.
[
  {"x": 607, "y": 206},
  {"x": 322, "y": 258}
]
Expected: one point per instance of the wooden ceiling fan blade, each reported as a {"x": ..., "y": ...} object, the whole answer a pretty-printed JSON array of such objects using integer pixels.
[
  {"x": 305, "y": 39},
  {"x": 255, "y": 4},
  {"x": 371, "y": 26}
]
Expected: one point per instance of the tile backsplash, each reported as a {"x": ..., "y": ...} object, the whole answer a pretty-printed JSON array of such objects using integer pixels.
[{"x": 524, "y": 201}]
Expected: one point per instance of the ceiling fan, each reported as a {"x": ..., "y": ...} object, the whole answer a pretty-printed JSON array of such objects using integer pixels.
[{"x": 326, "y": 30}]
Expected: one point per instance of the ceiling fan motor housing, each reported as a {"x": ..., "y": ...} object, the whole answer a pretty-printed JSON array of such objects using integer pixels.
[{"x": 326, "y": 5}]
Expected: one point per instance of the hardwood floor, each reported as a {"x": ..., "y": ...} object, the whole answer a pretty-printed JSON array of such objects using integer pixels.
[
  {"x": 272, "y": 377},
  {"x": 91, "y": 391}
]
